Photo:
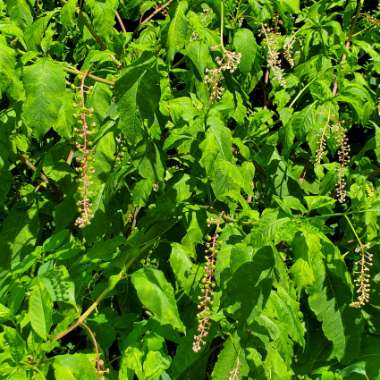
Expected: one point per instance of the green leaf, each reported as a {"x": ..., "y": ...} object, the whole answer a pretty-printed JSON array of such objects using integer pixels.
[
  {"x": 286, "y": 311},
  {"x": 40, "y": 309},
  {"x": 318, "y": 201},
  {"x": 217, "y": 143},
  {"x": 131, "y": 363},
  {"x": 227, "y": 179},
  {"x": 155, "y": 364},
  {"x": 104, "y": 250},
  {"x": 34, "y": 34},
  {"x": 18, "y": 235},
  {"x": 245, "y": 43},
  {"x": 15, "y": 344},
  {"x": 68, "y": 14},
  {"x": 134, "y": 106},
  {"x": 231, "y": 361},
  {"x": 187, "y": 274},
  {"x": 302, "y": 273},
  {"x": 290, "y": 6},
  {"x": 157, "y": 295},
  {"x": 20, "y": 11},
  {"x": 326, "y": 311},
  {"x": 274, "y": 365},
  {"x": 322, "y": 302},
  {"x": 9, "y": 80},
  {"x": 5, "y": 313},
  {"x": 56, "y": 240},
  {"x": 103, "y": 16},
  {"x": 249, "y": 287},
  {"x": 74, "y": 367},
  {"x": 44, "y": 83},
  {"x": 177, "y": 30},
  {"x": 60, "y": 285}
]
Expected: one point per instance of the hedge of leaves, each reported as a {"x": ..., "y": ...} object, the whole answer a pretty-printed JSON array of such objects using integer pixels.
[{"x": 189, "y": 189}]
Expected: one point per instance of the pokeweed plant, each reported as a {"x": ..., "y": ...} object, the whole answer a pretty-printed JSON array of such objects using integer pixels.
[{"x": 136, "y": 136}]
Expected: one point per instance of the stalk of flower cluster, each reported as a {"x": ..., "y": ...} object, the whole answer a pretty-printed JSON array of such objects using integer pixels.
[
  {"x": 344, "y": 157},
  {"x": 363, "y": 280},
  {"x": 228, "y": 62},
  {"x": 235, "y": 371},
  {"x": 322, "y": 141},
  {"x": 288, "y": 50},
  {"x": 208, "y": 285},
  {"x": 363, "y": 266},
  {"x": 271, "y": 40},
  {"x": 322, "y": 145},
  {"x": 85, "y": 167}
]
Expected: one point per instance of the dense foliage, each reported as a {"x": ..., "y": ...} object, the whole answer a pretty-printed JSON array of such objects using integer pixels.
[{"x": 189, "y": 189}]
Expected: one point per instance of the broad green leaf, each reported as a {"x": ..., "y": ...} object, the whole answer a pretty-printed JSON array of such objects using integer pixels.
[
  {"x": 157, "y": 295},
  {"x": 249, "y": 287},
  {"x": 155, "y": 364},
  {"x": 217, "y": 143},
  {"x": 357, "y": 95},
  {"x": 227, "y": 179},
  {"x": 18, "y": 235},
  {"x": 326, "y": 311},
  {"x": 134, "y": 106},
  {"x": 181, "y": 108},
  {"x": 274, "y": 365},
  {"x": 44, "y": 83},
  {"x": 318, "y": 201},
  {"x": 14, "y": 343},
  {"x": 141, "y": 192},
  {"x": 302, "y": 273},
  {"x": 20, "y": 11},
  {"x": 104, "y": 250},
  {"x": 151, "y": 165},
  {"x": 34, "y": 34},
  {"x": 40, "y": 309},
  {"x": 5, "y": 313},
  {"x": 9, "y": 80},
  {"x": 56, "y": 240},
  {"x": 308, "y": 245},
  {"x": 193, "y": 235},
  {"x": 103, "y": 16},
  {"x": 74, "y": 367},
  {"x": 59, "y": 285},
  {"x": 245, "y": 43},
  {"x": 199, "y": 54},
  {"x": 68, "y": 14},
  {"x": 231, "y": 361},
  {"x": 18, "y": 373},
  {"x": 290, "y": 6},
  {"x": 177, "y": 30},
  {"x": 187, "y": 274},
  {"x": 367, "y": 362},
  {"x": 286, "y": 310},
  {"x": 131, "y": 363}
]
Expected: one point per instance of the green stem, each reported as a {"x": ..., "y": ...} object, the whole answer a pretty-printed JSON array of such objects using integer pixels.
[
  {"x": 354, "y": 231},
  {"x": 300, "y": 93},
  {"x": 222, "y": 24},
  {"x": 75, "y": 71},
  {"x": 80, "y": 321}
]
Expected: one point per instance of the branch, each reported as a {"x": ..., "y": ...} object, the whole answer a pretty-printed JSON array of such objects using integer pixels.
[
  {"x": 157, "y": 10},
  {"x": 75, "y": 71},
  {"x": 88, "y": 25},
  {"x": 120, "y": 21},
  {"x": 27, "y": 163},
  {"x": 80, "y": 321},
  {"x": 134, "y": 221}
]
